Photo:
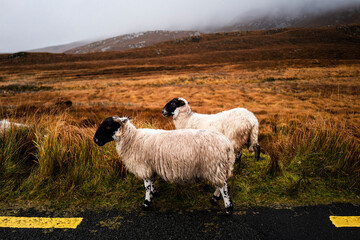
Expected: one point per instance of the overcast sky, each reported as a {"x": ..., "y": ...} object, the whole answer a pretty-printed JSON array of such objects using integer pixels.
[{"x": 30, "y": 24}]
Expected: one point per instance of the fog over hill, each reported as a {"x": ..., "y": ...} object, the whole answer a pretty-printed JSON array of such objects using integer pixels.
[
  {"x": 36, "y": 24},
  {"x": 340, "y": 16},
  {"x": 303, "y": 17},
  {"x": 129, "y": 41}
]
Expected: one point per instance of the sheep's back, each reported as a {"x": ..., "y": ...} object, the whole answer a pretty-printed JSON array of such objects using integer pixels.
[{"x": 236, "y": 124}]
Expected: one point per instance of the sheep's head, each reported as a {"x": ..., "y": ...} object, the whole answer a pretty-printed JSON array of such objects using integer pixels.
[
  {"x": 108, "y": 128},
  {"x": 174, "y": 107}
]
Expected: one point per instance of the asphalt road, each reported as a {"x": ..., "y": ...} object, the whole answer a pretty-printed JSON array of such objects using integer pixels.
[{"x": 311, "y": 222}]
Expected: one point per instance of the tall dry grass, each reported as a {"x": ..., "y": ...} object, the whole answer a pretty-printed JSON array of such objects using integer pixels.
[
  {"x": 312, "y": 147},
  {"x": 55, "y": 161},
  {"x": 52, "y": 160}
]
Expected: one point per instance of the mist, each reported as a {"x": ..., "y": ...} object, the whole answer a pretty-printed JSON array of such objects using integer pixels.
[{"x": 26, "y": 25}]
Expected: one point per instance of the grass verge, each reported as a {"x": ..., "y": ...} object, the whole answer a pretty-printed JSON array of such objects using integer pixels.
[{"x": 56, "y": 163}]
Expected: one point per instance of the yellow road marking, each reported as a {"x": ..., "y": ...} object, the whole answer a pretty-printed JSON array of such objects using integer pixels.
[
  {"x": 345, "y": 221},
  {"x": 39, "y": 222}
]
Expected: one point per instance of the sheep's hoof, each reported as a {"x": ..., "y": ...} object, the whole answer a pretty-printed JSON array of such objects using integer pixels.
[
  {"x": 229, "y": 210},
  {"x": 213, "y": 202},
  {"x": 145, "y": 205},
  {"x": 154, "y": 194},
  {"x": 214, "y": 199}
]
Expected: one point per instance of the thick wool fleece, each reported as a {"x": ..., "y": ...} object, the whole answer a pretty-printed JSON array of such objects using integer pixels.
[
  {"x": 177, "y": 156},
  {"x": 238, "y": 124}
]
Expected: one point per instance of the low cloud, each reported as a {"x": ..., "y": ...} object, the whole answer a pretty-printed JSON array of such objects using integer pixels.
[{"x": 26, "y": 25}]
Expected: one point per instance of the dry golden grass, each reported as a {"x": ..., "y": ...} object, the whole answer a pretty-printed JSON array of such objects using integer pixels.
[{"x": 331, "y": 92}]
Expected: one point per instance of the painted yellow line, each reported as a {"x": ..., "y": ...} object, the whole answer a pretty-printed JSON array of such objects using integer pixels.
[
  {"x": 345, "y": 221},
  {"x": 39, "y": 222}
]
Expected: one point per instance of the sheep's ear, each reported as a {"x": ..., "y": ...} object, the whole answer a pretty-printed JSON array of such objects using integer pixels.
[
  {"x": 183, "y": 101},
  {"x": 117, "y": 119},
  {"x": 120, "y": 120},
  {"x": 125, "y": 120}
]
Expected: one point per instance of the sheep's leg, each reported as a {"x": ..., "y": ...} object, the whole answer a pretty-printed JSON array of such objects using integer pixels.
[
  {"x": 225, "y": 192},
  {"x": 238, "y": 160},
  {"x": 238, "y": 156},
  {"x": 257, "y": 152},
  {"x": 152, "y": 187},
  {"x": 216, "y": 197},
  {"x": 146, "y": 203}
]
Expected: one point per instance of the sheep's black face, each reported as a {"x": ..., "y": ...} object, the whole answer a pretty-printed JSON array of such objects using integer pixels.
[
  {"x": 170, "y": 107},
  {"x": 106, "y": 131}
]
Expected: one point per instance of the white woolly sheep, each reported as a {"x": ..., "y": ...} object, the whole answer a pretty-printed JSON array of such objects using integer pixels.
[
  {"x": 5, "y": 125},
  {"x": 238, "y": 124},
  {"x": 177, "y": 156}
]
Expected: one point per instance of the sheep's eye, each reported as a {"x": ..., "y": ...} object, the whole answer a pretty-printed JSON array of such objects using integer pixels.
[{"x": 108, "y": 128}]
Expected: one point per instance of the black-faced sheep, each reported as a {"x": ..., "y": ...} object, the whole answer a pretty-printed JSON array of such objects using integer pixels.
[
  {"x": 238, "y": 124},
  {"x": 177, "y": 156}
]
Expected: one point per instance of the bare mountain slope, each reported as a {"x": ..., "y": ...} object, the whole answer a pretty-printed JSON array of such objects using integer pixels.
[
  {"x": 307, "y": 18},
  {"x": 61, "y": 48},
  {"x": 281, "y": 19},
  {"x": 246, "y": 49},
  {"x": 130, "y": 41}
]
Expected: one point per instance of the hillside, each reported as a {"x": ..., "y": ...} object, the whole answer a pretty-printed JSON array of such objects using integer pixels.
[
  {"x": 347, "y": 15},
  {"x": 61, "y": 48},
  {"x": 130, "y": 41},
  {"x": 249, "y": 49},
  {"x": 260, "y": 21}
]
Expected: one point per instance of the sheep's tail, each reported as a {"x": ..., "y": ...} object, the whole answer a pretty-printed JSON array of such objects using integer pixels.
[{"x": 254, "y": 145}]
